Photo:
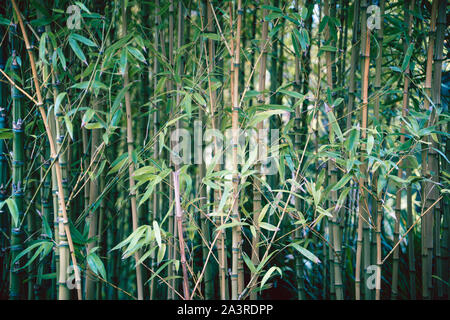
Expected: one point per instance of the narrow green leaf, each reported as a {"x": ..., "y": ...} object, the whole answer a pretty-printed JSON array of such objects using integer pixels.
[
  {"x": 157, "y": 232},
  {"x": 308, "y": 254},
  {"x": 78, "y": 52}
]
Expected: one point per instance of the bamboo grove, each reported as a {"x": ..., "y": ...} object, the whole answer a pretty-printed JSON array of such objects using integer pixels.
[{"x": 241, "y": 149}]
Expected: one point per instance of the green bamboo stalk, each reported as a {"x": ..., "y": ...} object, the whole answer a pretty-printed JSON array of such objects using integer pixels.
[
  {"x": 353, "y": 63},
  {"x": 352, "y": 199},
  {"x": 427, "y": 221},
  {"x": 376, "y": 204},
  {"x": 178, "y": 125},
  {"x": 257, "y": 192},
  {"x": 236, "y": 276},
  {"x": 216, "y": 195},
  {"x": 396, "y": 255},
  {"x": 433, "y": 155},
  {"x": 17, "y": 236},
  {"x": 155, "y": 198},
  {"x": 334, "y": 231},
  {"x": 92, "y": 219},
  {"x": 4, "y": 224},
  {"x": 205, "y": 225},
  {"x": 170, "y": 103}
]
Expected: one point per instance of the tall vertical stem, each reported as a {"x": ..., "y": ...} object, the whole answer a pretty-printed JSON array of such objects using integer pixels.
[
  {"x": 236, "y": 276},
  {"x": 130, "y": 141},
  {"x": 363, "y": 207}
]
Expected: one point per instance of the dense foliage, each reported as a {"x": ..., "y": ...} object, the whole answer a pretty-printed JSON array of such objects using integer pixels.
[{"x": 245, "y": 149}]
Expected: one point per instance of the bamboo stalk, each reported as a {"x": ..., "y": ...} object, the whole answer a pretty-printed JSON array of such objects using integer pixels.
[
  {"x": 130, "y": 141},
  {"x": 155, "y": 199},
  {"x": 179, "y": 68},
  {"x": 376, "y": 203},
  {"x": 334, "y": 230},
  {"x": 363, "y": 196},
  {"x": 92, "y": 219},
  {"x": 171, "y": 221},
  {"x": 236, "y": 276},
  {"x": 353, "y": 63},
  {"x": 427, "y": 222},
  {"x": 215, "y": 123},
  {"x": 257, "y": 196},
  {"x": 205, "y": 225},
  {"x": 17, "y": 233},
  {"x": 433, "y": 156},
  {"x": 395, "y": 265}
]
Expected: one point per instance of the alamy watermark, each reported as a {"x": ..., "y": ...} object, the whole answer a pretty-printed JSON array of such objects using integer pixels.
[
  {"x": 71, "y": 282},
  {"x": 374, "y": 18},
  {"x": 375, "y": 275},
  {"x": 74, "y": 19}
]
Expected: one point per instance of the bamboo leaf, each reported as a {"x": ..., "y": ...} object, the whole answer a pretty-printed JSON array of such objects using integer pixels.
[
  {"x": 157, "y": 232},
  {"x": 82, "y": 39},
  {"x": 13, "y": 210},
  {"x": 137, "y": 54},
  {"x": 341, "y": 183},
  {"x": 6, "y": 133},
  {"x": 268, "y": 226},
  {"x": 328, "y": 48},
  {"x": 408, "y": 56},
  {"x": 268, "y": 274},
  {"x": 231, "y": 225},
  {"x": 212, "y": 36},
  {"x": 161, "y": 253},
  {"x": 69, "y": 125},
  {"x": 78, "y": 52},
  {"x": 96, "y": 265},
  {"x": 263, "y": 213},
  {"x": 306, "y": 253},
  {"x": 58, "y": 101},
  {"x": 273, "y": 15},
  {"x": 248, "y": 262},
  {"x": 261, "y": 116},
  {"x": 370, "y": 142}
]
